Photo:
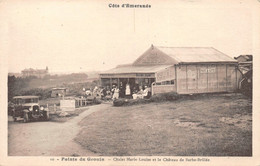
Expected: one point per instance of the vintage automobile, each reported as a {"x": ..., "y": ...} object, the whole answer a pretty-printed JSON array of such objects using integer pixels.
[{"x": 28, "y": 108}]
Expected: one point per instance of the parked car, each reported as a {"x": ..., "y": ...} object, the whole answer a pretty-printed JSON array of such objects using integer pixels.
[{"x": 28, "y": 108}]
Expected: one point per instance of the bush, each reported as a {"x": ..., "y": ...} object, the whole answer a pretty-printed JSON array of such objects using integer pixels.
[
  {"x": 171, "y": 96},
  {"x": 119, "y": 102},
  {"x": 97, "y": 101}
]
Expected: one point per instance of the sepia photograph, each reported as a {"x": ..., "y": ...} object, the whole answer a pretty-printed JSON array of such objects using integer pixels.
[{"x": 129, "y": 82}]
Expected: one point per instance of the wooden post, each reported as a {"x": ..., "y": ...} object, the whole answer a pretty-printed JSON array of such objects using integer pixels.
[
  {"x": 176, "y": 78},
  {"x": 55, "y": 109},
  {"x": 152, "y": 88},
  {"x": 110, "y": 83},
  {"x": 197, "y": 83},
  {"x": 207, "y": 78},
  {"x": 186, "y": 79},
  {"x": 217, "y": 77},
  {"x": 236, "y": 78},
  {"x": 226, "y": 78}
]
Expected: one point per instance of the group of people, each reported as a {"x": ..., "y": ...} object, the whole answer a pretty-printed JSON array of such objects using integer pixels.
[
  {"x": 119, "y": 92},
  {"x": 136, "y": 93},
  {"x": 142, "y": 93}
]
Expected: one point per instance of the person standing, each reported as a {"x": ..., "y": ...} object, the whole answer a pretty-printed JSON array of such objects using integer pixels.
[
  {"x": 113, "y": 90},
  {"x": 127, "y": 90},
  {"x": 121, "y": 90},
  {"x": 103, "y": 93},
  {"x": 95, "y": 91},
  {"x": 116, "y": 93}
]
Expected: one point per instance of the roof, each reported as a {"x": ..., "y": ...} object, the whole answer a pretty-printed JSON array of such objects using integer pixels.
[
  {"x": 246, "y": 62},
  {"x": 25, "y": 97},
  {"x": 195, "y": 54},
  {"x": 247, "y": 57},
  {"x": 157, "y": 58},
  {"x": 124, "y": 65},
  {"x": 135, "y": 69}
]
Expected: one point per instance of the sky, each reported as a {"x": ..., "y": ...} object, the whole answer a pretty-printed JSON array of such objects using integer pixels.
[{"x": 80, "y": 36}]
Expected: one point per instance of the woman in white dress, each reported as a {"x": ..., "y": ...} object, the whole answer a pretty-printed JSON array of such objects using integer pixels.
[
  {"x": 127, "y": 90},
  {"x": 116, "y": 93}
]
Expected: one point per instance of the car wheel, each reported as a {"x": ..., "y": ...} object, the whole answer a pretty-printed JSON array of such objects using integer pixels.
[{"x": 25, "y": 117}]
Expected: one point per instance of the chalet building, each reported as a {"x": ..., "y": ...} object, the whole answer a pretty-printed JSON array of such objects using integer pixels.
[
  {"x": 185, "y": 70},
  {"x": 245, "y": 63},
  {"x": 39, "y": 73}
]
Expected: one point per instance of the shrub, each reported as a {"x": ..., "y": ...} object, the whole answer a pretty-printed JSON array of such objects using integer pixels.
[
  {"x": 119, "y": 102},
  {"x": 171, "y": 96},
  {"x": 129, "y": 102},
  {"x": 97, "y": 101}
]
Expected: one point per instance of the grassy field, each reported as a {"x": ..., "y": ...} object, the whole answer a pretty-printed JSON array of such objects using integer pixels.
[{"x": 216, "y": 125}]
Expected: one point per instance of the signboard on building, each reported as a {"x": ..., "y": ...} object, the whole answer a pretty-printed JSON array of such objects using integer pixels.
[{"x": 208, "y": 70}]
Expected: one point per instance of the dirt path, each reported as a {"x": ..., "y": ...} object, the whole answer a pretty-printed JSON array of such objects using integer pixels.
[{"x": 48, "y": 138}]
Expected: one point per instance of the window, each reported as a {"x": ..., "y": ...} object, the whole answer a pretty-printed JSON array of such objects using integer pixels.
[
  {"x": 171, "y": 82},
  {"x": 31, "y": 100}
]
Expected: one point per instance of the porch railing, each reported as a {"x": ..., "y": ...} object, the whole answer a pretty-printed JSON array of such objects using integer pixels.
[{"x": 156, "y": 89}]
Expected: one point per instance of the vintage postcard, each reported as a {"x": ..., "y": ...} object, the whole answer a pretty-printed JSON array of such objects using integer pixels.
[{"x": 129, "y": 82}]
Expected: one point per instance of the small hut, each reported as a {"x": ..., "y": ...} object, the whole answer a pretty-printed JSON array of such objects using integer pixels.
[{"x": 58, "y": 92}]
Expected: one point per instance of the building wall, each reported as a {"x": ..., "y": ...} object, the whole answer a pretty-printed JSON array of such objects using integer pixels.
[
  {"x": 165, "y": 75},
  {"x": 165, "y": 81},
  {"x": 156, "y": 89},
  {"x": 206, "y": 78}
]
